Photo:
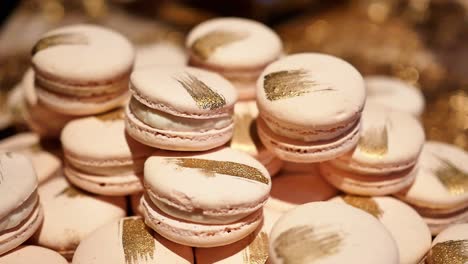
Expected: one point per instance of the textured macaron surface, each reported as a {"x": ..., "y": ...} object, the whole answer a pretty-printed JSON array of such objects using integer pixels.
[
  {"x": 32, "y": 254},
  {"x": 450, "y": 246}
]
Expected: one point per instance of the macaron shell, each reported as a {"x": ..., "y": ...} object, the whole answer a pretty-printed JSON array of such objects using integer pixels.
[
  {"x": 454, "y": 232},
  {"x": 126, "y": 241},
  {"x": 439, "y": 223},
  {"x": 32, "y": 254},
  {"x": 450, "y": 245}
]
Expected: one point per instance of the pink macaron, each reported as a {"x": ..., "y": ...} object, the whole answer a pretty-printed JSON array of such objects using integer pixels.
[
  {"x": 450, "y": 246},
  {"x": 237, "y": 48},
  {"x": 32, "y": 254},
  {"x": 310, "y": 107},
  {"x": 180, "y": 108}
]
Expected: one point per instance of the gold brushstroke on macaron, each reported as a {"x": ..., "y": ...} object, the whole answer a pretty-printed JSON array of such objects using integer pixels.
[
  {"x": 374, "y": 141},
  {"x": 212, "y": 167},
  {"x": 257, "y": 251},
  {"x": 58, "y": 40},
  {"x": 449, "y": 252},
  {"x": 242, "y": 138},
  {"x": 454, "y": 179},
  {"x": 364, "y": 203},
  {"x": 113, "y": 115},
  {"x": 137, "y": 241},
  {"x": 71, "y": 192},
  {"x": 204, "y": 96},
  {"x": 305, "y": 244},
  {"x": 286, "y": 84},
  {"x": 207, "y": 44}
]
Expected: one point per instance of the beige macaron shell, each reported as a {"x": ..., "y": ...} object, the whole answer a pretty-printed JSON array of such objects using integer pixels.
[
  {"x": 256, "y": 46},
  {"x": 32, "y": 254},
  {"x": 454, "y": 232},
  {"x": 77, "y": 62},
  {"x": 65, "y": 208},
  {"x": 314, "y": 109},
  {"x": 409, "y": 230},
  {"x": 349, "y": 235},
  {"x": 450, "y": 246}
]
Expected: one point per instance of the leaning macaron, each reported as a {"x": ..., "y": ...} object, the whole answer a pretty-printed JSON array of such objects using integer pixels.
[
  {"x": 65, "y": 208},
  {"x": 69, "y": 80},
  {"x": 32, "y": 254},
  {"x": 310, "y": 107},
  {"x": 101, "y": 158},
  {"x": 237, "y": 48},
  {"x": 205, "y": 200},
  {"x": 330, "y": 232},
  {"x": 130, "y": 241},
  {"x": 450, "y": 246},
  {"x": 180, "y": 108},
  {"x": 394, "y": 94},
  {"x": 20, "y": 211},
  {"x": 440, "y": 190},
  {"x": 409, "y": 230}
]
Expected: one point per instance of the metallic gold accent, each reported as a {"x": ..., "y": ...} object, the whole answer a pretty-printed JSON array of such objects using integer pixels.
[
  {"x": 374, "y": 141},
  {"x": 213, "y": 167},
  {"x": 71, "y": 192},
  {"x": 454, "y": 179},
  {"x": 203, "y": 95},
  {"x": 59, "y": 39},
  {"x": 137, "y": 241},
  {"x": 207, "y": 44},
  {"x": 257, "y": 251},
  {"x": 305, "y": 244},
  {"x": 449, "y": 252},
  {"x": 244, "y": 137},
  {"x": 364, "y": 203},
  {"x": 113, "y": 115}
]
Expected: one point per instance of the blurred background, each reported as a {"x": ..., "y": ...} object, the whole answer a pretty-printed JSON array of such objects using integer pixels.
[{"x": 424, "y": 42}]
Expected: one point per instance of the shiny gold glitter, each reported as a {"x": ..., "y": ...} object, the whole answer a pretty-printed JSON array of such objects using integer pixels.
[
  {"x": 374, "y": 141},
  {"x": 453, "y": 178},
  {"x": 207, "y": 44},
  {"x": 243, "y": 139},
  {"x": 137, "y": 241},
  {"x": 257, "y": 251},
  {"x": 59, "y": 39},
  {"x": 364, "y": 203},
  {"x": 286, "y": 84},
  {"x": 211, "y": 167},
  {"x": 71, "y": 192},
  {"x": 113, "y": 115},
  {"x": 304, "y": 244},
  {"x": 449, "y": 252},
  {"x": 204, "y": 97}
]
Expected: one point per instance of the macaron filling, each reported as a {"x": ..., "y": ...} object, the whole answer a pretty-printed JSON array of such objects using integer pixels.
[{"x": 21, "y": 213}]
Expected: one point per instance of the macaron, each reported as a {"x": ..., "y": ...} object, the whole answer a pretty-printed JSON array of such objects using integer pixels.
[
  {"x": 180, "y": 108},
  {"x": 45, "y": 164},
  {"x": 310, "y": 107},
  {"x": 101, "y": 158},
  {"x": 70, "y": 81},
  {"x": 237, "y": 48},
  {"x": 330, "y": 232},
  {"x": 130, "y": 241},
  {"x": 32, "y": 254},
  {"x": 20, "y": 211},
  {"x": 160, "y": 53},
  {"x": 394, "y": 94},
  {"x": 440, "y": 190},
  {"x": 409, "y": 230},
  {"x": 384, "y": 162},
  {"x": 207, "y": 199},
  {"x": 65, "y": 208},
  {"x": 245, "y": 137},
  {"x": 450, "y": 246}
]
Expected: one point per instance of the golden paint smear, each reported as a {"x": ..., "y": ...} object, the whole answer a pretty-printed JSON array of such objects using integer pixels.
[
  {"x": 449, "y": 252},
  {"x": 204, "y": 96},
  {"x": 137, "y": 241},
  {"x": 207, "y": 44},
  {"x": 374, "y": 141},
  {"x": 211, "y": 167},
  {"x": 113, "y": 115},
  {"x": 286, "y": 84},
  {"x": 71, "y": 192},
  {"x": 243, "y": 139},
  {"x": 364, "y": 203},
  {"x": 59, "y": 39},
  {"x": 305, "y": 244},
  {"x": 453, "y": 178},
  {"x": 257, "y": 251}
]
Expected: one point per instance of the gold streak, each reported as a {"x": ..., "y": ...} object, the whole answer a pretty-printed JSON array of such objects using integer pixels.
[
  {"x": 211, "y": 167},
  {"x": 71, "y": 192},
  {"x": 374, "y": 141},
  {"x": 203, "y": 95},
  {"x": 113, "y": 115},
  {"x": 137, "y": 241},
  {"x": 449, "y": 252},
  {"x": 257, "y": 251},
  {"x": 454, "y": 179},
  {"x": 364, "y": 203},
  {"x": 59, "y": 39},
  {"x": 207, "y": 44},
  {"x": 304, "y": 244}
]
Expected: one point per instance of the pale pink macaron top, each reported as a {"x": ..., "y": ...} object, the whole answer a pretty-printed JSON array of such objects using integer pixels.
[
  {"x": 450, "y": 246},
  {"x": 32, "y": 254},
  {"x": 234, "y": 43},
  {"x": 184, "y": 91},
  {"x": 83, "y": 53}
]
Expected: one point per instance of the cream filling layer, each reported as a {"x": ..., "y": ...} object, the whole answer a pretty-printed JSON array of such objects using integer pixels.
[
  {"x": 18, "y": 215},
  {"x": 164, "y": 121}
]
